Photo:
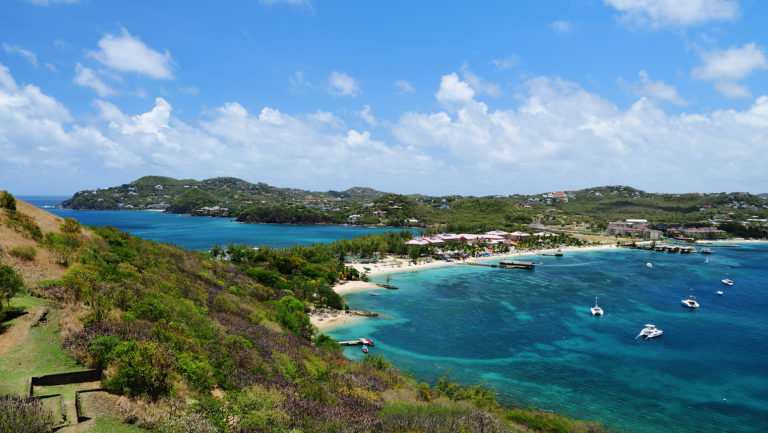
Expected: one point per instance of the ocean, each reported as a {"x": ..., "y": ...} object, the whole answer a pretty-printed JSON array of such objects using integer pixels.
[
  {"x": 530, "y": 336},
  {"x": 202, "y": 233}
]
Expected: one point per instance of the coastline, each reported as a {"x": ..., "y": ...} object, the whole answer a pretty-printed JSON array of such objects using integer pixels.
[{"x": 394, "y": 265}]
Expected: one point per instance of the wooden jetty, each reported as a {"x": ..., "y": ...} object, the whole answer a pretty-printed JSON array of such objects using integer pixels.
[
  {"x": 359, "y": 341},
  {"x": 506, "y": 264}
]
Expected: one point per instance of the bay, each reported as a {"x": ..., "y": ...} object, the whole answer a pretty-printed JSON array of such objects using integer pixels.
[
  {"x": 530, "y": 335},
  {"x": 202, "y": 233}
]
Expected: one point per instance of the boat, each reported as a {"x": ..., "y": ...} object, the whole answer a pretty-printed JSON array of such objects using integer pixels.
[
  {"x": 691, "y": 301},
  {"x": 727, "y": 281},
  {"x": 719, "y": 293},
  {"x": 650, "y": 331},
  {"x": 373, "y": 293},
  {"x": 706, "y": 251},
  {"x": 365, "y": 349},
  {"x": 596, "y": 310},
  {"x": 649, "y": 264}
]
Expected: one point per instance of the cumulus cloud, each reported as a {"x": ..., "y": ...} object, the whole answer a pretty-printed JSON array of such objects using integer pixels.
[
  {"x": 727, "y": 67},
  {"x": 17, "y": 50},
  {"x": 561, "y": 134},
  {"x": 367, "y": 115},
  {"x": 657, "y": 90},
  {"x": 127, "y": 53},
  {"x": 342, "y": 84},
  {"x": 561, "y": 26},
  {"x": 87, "y": 77},
  {"x": 403, "y": 87},
  {"x": 478, "y": 84},
  {"x": 660, "y": 13},
  {"x": 452, "y": 89}
]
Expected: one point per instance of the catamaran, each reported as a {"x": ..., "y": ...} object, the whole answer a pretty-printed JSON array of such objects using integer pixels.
[
  {"x": 691, "y": 301},
  {"x": 596, "y": 310},
  {"x": 650, "y": 331}
]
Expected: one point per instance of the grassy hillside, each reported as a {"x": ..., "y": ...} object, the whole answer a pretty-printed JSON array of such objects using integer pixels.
[{"x": 192, "y": 342}]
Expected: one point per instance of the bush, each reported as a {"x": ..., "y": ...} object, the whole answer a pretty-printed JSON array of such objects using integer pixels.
[
  {"x": 7, "y": 201},
  {"x": 548, "y": 422},
  {"x": 325, "y": 342},
  {"x": 70, "y": 225},
  {"x": 24, "y": 252},
  {"x": 290, "y": 313},
  {"x": 480, "y": 395},
  {"x": 142, "y": 369},
  {"x": 23, "y": 414},
  {"x": 11, "y": 284}
]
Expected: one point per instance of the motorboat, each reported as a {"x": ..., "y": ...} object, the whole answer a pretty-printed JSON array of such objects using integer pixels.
[
  {"x": 706, "y": 251},
  {"x": 649, "y": 264},
  {"x": 373, "y": 293},
  {"x": 719, "y": 293},
  {"x": 691, "y": 301},
  {"x": 650, "y": 331},
  {"x": 596, "y": 310},
  {"x": 727, "y": 281},
  {"x": 365, "y": 349}
]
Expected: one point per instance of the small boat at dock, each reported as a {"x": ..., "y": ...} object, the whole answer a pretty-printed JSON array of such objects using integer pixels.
[{"x": 365, "y": 349}]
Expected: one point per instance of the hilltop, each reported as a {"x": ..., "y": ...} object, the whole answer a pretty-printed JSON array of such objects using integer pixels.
[
  {"x": 210, "y": 342},
  {"x": 589, "y": 209}
]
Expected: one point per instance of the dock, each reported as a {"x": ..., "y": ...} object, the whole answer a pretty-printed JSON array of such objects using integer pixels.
[
  {"x": 506, "y": 264},
  {"x": 358, "y": 342}
]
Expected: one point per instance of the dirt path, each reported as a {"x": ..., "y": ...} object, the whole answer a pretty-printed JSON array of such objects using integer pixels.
[{"x": 19, "y": 331}]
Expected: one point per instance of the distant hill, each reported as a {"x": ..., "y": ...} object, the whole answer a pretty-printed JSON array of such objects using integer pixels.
[{"x": 262, "y": 203}]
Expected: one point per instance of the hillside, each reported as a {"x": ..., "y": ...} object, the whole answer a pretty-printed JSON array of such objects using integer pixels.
[
  {"x": 220, "y": 342},
  {"x": 588, "y": 209}
]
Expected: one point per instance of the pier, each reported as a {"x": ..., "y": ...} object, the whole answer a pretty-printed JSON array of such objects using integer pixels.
[
  {"x": 506, "y": 264},
  {"x": 358, "y": 342}
]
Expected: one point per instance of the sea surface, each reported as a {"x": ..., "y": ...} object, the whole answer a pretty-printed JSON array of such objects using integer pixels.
[
  {"x": 530, "y": 335},
  {"x": 202, "y": 233}
]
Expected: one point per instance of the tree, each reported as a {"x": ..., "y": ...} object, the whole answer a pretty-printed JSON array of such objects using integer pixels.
[
  {"x": 7, "y": 201},
  {"x": 290, "y": 313},
  {"x": 11, "y": 284}
]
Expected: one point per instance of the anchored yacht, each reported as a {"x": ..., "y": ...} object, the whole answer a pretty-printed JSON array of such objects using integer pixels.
[{"x": 650, "y": 331}]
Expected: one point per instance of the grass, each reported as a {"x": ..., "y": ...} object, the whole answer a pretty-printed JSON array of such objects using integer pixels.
[
  {"x": 39, "y": 355},
  {"x": 112, "y": 425}
]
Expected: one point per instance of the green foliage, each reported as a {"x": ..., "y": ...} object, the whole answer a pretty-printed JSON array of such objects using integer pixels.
[
  {"x": 436, "y": 417},
  {"x": 11, "y": 285},
  {"x": 24, "y": 414},
  {"x": 226, "y": 304},
  {"x": 197, "y": 372},
  {"x": 7, "y": 201},
  {"x": 325, "y": 342},
  {"x": 102, "y": 348},
  {"x": 143, "y": 368},
  {"x": 24, "y": 224},
  {"x": 480, "y": 395},
  {"x": 263, "y": 276},
  {"x": 70, "y": 225},
  {"x": 24, "y": 252},
  {"x": 548, "y": 422},
  {"x": 290, "y": 313},
  {"x": 377, "y": 361}
]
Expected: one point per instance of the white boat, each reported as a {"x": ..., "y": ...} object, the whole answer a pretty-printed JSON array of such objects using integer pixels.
[
  {"x": 691, "y": 301},
  {"x": 596, "y": 310},
  {"x": 649, "y": 264},
  {"x": 719, "y": 293},
  {"x": 727, "y": 281},
  {"x": 650, "y": 331}
]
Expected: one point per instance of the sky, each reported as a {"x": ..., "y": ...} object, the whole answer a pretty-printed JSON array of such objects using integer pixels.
[{"x": 449, "y": 97}]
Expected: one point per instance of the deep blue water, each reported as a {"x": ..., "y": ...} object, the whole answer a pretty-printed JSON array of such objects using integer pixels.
[
  {"x": 530, "y": 335},
  {"x": 202, "y": 233}
]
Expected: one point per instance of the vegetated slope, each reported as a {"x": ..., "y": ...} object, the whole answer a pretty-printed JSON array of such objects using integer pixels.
[{"x": 205, "y": 344}]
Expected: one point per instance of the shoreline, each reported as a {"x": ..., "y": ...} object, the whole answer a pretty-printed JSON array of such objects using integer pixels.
[{"x": 394, "y": 265}]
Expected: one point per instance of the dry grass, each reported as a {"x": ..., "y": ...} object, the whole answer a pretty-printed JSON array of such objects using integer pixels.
[{"x": 43, "y": 266}]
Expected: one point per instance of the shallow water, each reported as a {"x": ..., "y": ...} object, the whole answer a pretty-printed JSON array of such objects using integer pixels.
[
  {"x": 202, "y": 233},
  {"x": 530, "y": 335}
]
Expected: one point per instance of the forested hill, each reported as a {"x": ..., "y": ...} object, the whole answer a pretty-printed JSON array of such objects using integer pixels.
[
  {"x": 204, "y": 343},
  {"x": 261, "y": 203}
]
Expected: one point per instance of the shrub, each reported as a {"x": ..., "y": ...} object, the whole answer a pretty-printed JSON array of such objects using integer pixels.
[
  {"x": 151, "y": 309},
  {"x": 142, "y": 369},
  {"x": 23, "y": 414},
  {"x": 102, "y": 349},
  {"x": 7, "y": 201},
  {"x": 290, "y": 313},
  {"x": 70, "y": 225},
  {"x": 480, "y": 395},
  {"x": 325, "y": 342},
  {"x": 11, "y": 284},
  {"x": 547, "y": 422},
  {"x": 198, "y": 373},
  {"x": 24, "y": 252}
]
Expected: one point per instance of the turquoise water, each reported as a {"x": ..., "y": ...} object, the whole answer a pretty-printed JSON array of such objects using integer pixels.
[
  {"x": 202, "y": 233},
  {"x": 530, "y": 335}
]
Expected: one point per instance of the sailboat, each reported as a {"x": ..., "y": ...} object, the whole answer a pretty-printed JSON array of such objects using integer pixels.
[
  {"x": 596, "y": 310},
  {"x": 691, "y": 301}
]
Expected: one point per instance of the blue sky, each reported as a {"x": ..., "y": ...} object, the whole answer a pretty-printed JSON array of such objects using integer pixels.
[{"x": 403, "y": 96}]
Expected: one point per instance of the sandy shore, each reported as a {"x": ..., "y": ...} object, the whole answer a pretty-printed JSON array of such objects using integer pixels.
[
  {"x": 393, "y": 265},
  {"x": 323, "y": 322}
]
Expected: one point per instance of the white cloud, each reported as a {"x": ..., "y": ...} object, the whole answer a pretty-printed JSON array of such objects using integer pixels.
[
  {"x": 343, "y": 85},
  {"x": 126, "y": 53},
  {"x": 17, "y": 50},
  {"x": 561, "y": 26},
  {"x": 732, "y": 90},
  {"x": 403, "y": 87},
  {"x": 367, "y": 115},
  {"x": 660, "y": 13},
  {"x": 87, "y": 77},
  {"x": 561, "y": 134},
  {"x": 731, "y": 64},
  {"x": 657, "y": 90},
  {"x": 505, "y": 63},
  {"x": 478, "y": 84},
  {"x": 452, "y": 89}
]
